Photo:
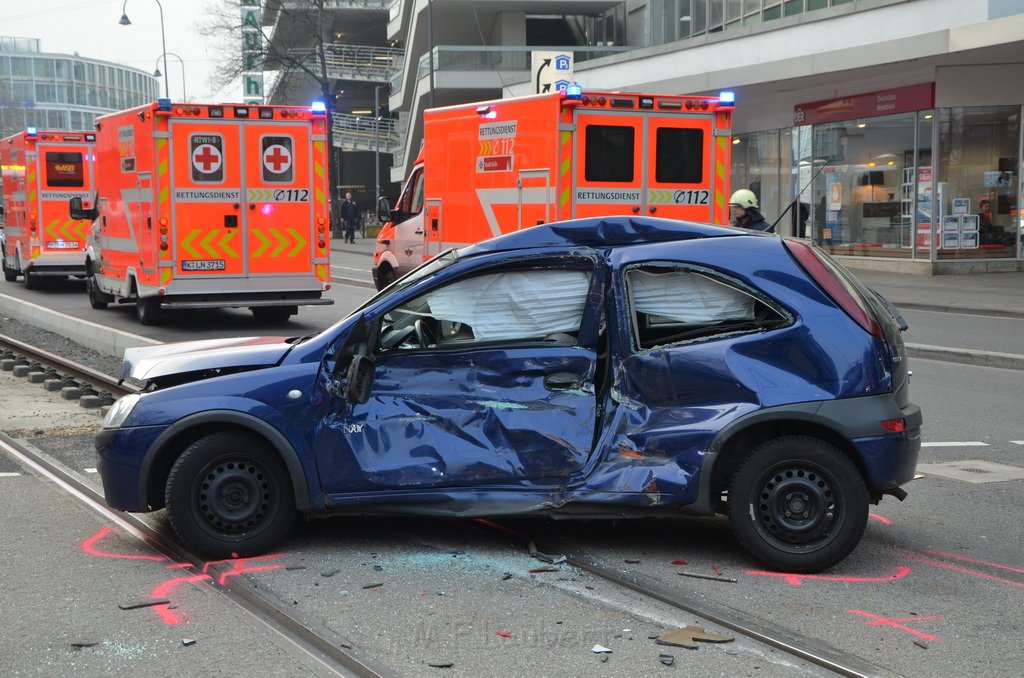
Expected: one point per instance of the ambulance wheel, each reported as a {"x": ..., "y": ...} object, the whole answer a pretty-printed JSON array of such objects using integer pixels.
[
  {"x": 10, "y": 274},
  {"x": 229, "y": 495},
  {"x": 147, "y": 310},
  {"x": 97, "y": 299},
  {"x": 273, "y": 314},
  {"x": 386, "y": 277},
  {"x": 31, "y": 281}
]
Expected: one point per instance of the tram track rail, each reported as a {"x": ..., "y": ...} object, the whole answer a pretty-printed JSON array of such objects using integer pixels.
[
  {"x": 302, "y": 635},
  {"x": 334, "y": 653}
]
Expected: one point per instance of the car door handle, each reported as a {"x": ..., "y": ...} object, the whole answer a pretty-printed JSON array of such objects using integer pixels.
[{"x": 562, "y": 381}]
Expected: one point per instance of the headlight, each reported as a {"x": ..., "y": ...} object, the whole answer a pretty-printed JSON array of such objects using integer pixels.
[{"x": 120, "y": 410}]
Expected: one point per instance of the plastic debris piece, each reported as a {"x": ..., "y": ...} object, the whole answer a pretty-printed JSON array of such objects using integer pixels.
[
  {"x": 84, "y": 643},
  {"x": 689, "y": 635},
  {"x": 604, "y": 659},
  {"x": 543, "y": 557},
  {"x": 667, "y": 659},
  {"x": 921, "y": 644},
  {"x": 679, "y": 562},
  {"x": 697, "y": 575},
  {"x": 330, "y": 573},
  {"x": 506, "y": 576},
  {"x": 188, "y": 641},
  {"x": 143, "y": 603},
  {"x": 632, "y": 561},
  {"x": 504, "y": 634},
  {"x": 440, "y": 665},
  {"x": 537, "y": 570},
  {"x": 599, "y": 649},
  {"x": 374, "y": 586},
  {"x": 378, "y": 568},
  {"x": 717, "y": 570},
  {"x": 289, "y": 568}
]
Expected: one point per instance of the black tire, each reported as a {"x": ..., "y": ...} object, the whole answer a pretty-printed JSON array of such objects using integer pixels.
[
  {"x": 273, "y": 314},
  {"x": 10, "y": 274},
  {"x": 31, "y": 280},
  {"x": 385, "y": 277},
  {"x": 229, "y": 495},
  {"x": 97, "y": 299},
  {"x": 147, "y": 310},
  {"x": 798, "y": 504}
]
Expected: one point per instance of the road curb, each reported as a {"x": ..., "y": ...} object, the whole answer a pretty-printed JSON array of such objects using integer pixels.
[
  {"x": 960, "y": 310},
  {"x": 965, "y": 356}
]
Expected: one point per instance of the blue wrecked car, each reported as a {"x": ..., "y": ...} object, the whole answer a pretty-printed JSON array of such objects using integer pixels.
[{"x": 616, "y": 367}]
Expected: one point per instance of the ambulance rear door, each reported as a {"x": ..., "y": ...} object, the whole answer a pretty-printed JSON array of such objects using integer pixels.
[
  {"x": 65, "y": 172},
  {"x": 642, "y": 162},
  {"x": 279, "y": 197},
  {"x": 206, "y": 164}
]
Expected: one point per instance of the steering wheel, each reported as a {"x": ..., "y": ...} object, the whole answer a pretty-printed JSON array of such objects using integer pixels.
[{"x": 424, "y": 334}]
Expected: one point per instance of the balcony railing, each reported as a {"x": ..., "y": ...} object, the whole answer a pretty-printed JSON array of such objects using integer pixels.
[
  {"x": 363, "y": 133},
  {"x": 353, "y": 62},
  {"x": 449, "y": 58}
]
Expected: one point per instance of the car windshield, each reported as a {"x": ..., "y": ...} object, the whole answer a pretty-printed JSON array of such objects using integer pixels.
[{"x": 424, "y": 270}]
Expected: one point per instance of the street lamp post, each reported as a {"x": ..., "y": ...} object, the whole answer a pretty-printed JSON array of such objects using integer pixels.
[
  {"x": 157, "y": 73},
  {"x": 125, "y": 21}
]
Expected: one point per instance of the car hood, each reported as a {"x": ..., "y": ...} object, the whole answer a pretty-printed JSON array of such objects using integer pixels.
[{"x": 152, "y": 362}]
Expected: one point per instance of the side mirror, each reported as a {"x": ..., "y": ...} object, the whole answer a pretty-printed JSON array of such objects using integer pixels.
[
  {"x": 359, "y": 378},
  {"x": 77, "y": 211},
  {"x": 383, "y": 209}
]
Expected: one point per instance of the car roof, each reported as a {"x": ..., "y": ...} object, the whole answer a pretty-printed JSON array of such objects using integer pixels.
[{"x": 603, "y": 232}]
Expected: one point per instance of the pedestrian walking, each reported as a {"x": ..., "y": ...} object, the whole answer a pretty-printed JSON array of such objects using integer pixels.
[
  {"x": 743, "y": 207},
  {"x": 349, "y": 215}
]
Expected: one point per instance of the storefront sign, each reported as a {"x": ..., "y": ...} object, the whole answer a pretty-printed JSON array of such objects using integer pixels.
[{"x": 886, "y": 102}]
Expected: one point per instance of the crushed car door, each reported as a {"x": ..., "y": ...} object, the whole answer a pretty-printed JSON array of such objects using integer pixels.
[{"x": 486, "y": 380}]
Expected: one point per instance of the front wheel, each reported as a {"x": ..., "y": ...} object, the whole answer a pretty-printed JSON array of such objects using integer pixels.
[
  {"x": 97, "y": 299},
  {"x": 798, "y": 504},
  {"x": 229, "y": 495},
  {"x": 10, "y": 274}
]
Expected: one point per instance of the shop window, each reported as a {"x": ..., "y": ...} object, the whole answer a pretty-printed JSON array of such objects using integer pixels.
[
  {"x": 610, "y": 153},
  {"x": 771, "y": 13},
  {"x": 791, "y": 7},
  {"x": 978, "y": 181}
]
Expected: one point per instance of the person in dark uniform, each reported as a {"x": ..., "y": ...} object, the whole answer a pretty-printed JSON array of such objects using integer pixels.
[{"x": 349, "y": 216}]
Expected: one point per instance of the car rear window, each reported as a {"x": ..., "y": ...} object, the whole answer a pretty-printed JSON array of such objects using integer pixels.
[{"x": 671, "y": 305}]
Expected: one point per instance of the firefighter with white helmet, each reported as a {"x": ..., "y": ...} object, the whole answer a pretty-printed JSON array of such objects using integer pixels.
[{"x": 743, "y": 208}]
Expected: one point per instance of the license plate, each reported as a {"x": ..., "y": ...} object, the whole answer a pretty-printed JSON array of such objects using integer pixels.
[
  {"x": 203, "y": 265},
  {"x": 63, "y": 245}
]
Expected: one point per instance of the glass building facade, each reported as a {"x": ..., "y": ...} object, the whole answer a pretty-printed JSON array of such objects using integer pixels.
[{"x": 63, "y": 92}]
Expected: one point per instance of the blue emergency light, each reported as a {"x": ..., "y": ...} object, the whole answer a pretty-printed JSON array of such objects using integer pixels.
[
  {"x": 318, "y": 107},
  {"x": 573, "y": 91},
  {"x": 31, "y": 131},
  {"x": 727, "y": 97},
  {"x": 163, "y": 104}
]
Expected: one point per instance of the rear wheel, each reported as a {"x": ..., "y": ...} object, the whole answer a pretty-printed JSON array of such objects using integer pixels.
[
  {"x": 147, "y": 310},
  {"x": 229, "y": 495},
  {"x": 273, "y": 314},
  {"x": 798, "y": 504},
  {"x": 10, "y": 274},
  {"x": 31, "y": 279}
]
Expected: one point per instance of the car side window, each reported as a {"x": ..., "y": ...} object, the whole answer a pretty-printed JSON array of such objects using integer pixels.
[
  {"x": 412, "y": 199},
  {"x": 671, "y": 305},
  {"x": 498, "y": 307}
]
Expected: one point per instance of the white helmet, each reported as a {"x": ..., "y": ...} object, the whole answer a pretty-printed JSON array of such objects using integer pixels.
[{"x": 744, "y": 198}]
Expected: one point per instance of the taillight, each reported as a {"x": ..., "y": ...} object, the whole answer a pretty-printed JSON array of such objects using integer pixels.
[
  {"x": 895, "y": 425},
  {"x": 855, "y": 307}
]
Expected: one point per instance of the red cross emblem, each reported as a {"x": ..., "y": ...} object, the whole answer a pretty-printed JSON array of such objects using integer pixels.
[
  {"x": 277, "y": 158},
  {"x": 206, "y": 158}
]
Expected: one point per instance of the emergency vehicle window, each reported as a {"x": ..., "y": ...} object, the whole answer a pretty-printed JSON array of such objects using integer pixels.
[
  {"x": 278, "y": 161},
  {"x": 412, "y": 198},
  {"x": 610, "y": 153},
  {"x": 679, "y": 156},
  {"x": 64, "y": 169},
  {"x": 509, "y": 306},
  {"x": 673, "y": 305}
]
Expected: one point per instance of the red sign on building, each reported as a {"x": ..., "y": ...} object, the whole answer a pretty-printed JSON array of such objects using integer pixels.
[{"x": 885, "y": 102}]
